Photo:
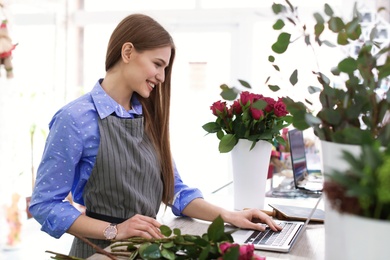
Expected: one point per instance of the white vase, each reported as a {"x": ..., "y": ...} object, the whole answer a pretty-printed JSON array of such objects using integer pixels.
[
  {"x": 363, "y": 238},
  {"x": 250, "y": 171},
  {"x": 335, "y": 239}
]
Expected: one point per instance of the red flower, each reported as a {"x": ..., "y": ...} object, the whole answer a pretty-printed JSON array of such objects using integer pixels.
[
  {"x": 246, "y": 97},
  {"x": 271, "y": 102},
  {"x": 246, "y": 251},
  {"x": 219, "y": 108},
  {"x": 252, "y": 116},
  {"x": 257, "y": 114},
  {"x": 280, "y": 108},
  {"x": 236, "y": 107}
]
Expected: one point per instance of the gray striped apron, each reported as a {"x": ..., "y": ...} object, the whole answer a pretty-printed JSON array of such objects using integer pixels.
[{"x": 126, "y": 178}]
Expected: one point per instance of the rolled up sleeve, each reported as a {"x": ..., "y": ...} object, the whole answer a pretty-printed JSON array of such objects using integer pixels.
[{"x": 183, "y": 195}]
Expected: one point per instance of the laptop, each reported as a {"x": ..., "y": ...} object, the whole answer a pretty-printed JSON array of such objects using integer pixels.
[
  {"x": 269, "y": 240},
  {"x": 312, "y": 182}
]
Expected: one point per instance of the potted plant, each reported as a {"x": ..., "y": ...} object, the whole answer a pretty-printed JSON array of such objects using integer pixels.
[
  {"x": 352, "y": 95},
  {"x": 362, "y": 197},
  {"x": 352, "y": 106}
]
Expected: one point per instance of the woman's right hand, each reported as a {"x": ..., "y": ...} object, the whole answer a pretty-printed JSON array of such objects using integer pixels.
[{"x": 139, "y": 226}]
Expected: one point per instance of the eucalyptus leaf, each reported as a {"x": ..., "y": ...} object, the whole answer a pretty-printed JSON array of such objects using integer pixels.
[
  {"x": 294, "y": 77},
  {"x": 274, "y": 87},
  {"x": 278, "y": 25},
  {"x": 280, "y": 46},
  {"x": 328, "y": 10},
  {"x": 348, "y": 65}
]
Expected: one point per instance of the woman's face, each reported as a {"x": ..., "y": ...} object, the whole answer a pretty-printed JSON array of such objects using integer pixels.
[{"x": 145, "y": 70}]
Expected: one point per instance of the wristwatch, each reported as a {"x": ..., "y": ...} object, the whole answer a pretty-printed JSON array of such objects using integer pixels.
[{"x": 110, "y": 231}]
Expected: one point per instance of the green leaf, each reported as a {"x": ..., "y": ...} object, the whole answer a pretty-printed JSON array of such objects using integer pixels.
[
  {"x": 318, "y": 29},
  {"x": 201, "y": 242},
  {"x": 277, "y": 8},
  {"x": 274, "y": 87},
  {"x": 280, "y": 46},
  {"x": 312, "y": 89},
  {"x": 229, "y": 93},
  {"x": 328, "y": 43},
  {"x": 260, "y": 104},
  {"x": 244, "y": 83},
  {"x": 216, "y": 229},
  {"x": 205, "y": 252},
  {"x": 348, "y": 65},
  {"x": 353, "y": 29},
  {"x": 211, "y": 127},
  {"x": 227, "y": 143},
  {"x": 328, "y": 10},
  {"x": 279, "y": 24},
  {"x": 169, "y": 244},
  {"x": 307, "y": 40},
  {"x": 165, "y": 230},
  {"x": 331, "y": 116},
  {"x": 177, "y": 232},
  {"x": 312, "y": 120},
  {"x": 336, "y": 24},
  {"x": 384, "y": 71},
  {"x": 294, "y": 77},
  {"x": 342, "y": 38},
  {"x": 319, "y": 18},
  {"x": 168, "y": 254},
  {"x": 149, "y": 251},
  {"x": 232, "y": 253}
]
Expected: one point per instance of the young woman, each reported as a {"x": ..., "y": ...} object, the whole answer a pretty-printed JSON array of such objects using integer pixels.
[{"x": 110, "y": 148}]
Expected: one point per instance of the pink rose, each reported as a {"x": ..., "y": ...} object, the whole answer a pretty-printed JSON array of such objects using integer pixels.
[
  {"x": 280, "y": 108},
  {"x": 225, "y": 246},
  {"x": 246, "y": 97},
  {"x": 246, "y": 251},
  {"x": 219, "y": 108},
  {"x": 236, "y": 107},
  {"x": 271, "y": 103},
  {"x": 257, "y": 114}
]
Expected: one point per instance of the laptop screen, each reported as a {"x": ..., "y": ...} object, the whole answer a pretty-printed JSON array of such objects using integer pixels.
[{"x": 298, "y": 155}]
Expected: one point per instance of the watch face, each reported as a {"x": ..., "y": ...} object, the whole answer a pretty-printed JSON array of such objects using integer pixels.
[{"x": 110, "y": 232}]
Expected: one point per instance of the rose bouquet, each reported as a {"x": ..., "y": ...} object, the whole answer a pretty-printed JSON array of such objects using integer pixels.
[{"x": 252, "y": 116}]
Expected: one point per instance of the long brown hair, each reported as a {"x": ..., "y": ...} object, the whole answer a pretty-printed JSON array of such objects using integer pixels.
[{"x": 146, "y": 34}]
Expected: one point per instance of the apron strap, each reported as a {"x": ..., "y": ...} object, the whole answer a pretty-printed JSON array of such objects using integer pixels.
[{"x": 104, "y": 217}]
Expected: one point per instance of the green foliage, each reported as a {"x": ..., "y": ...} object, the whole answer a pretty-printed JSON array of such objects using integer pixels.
[
  {"x": 368, "y": 180},
  {"x": 177, "y": 246},
  {"x": 350, "y": 112}
]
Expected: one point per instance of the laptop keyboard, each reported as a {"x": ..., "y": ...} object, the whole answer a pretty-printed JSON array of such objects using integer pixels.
[{"x": 270, "y": 237}]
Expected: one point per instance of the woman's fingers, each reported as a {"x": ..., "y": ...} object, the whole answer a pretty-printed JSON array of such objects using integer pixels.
[{"x": 141, "y": 226}]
